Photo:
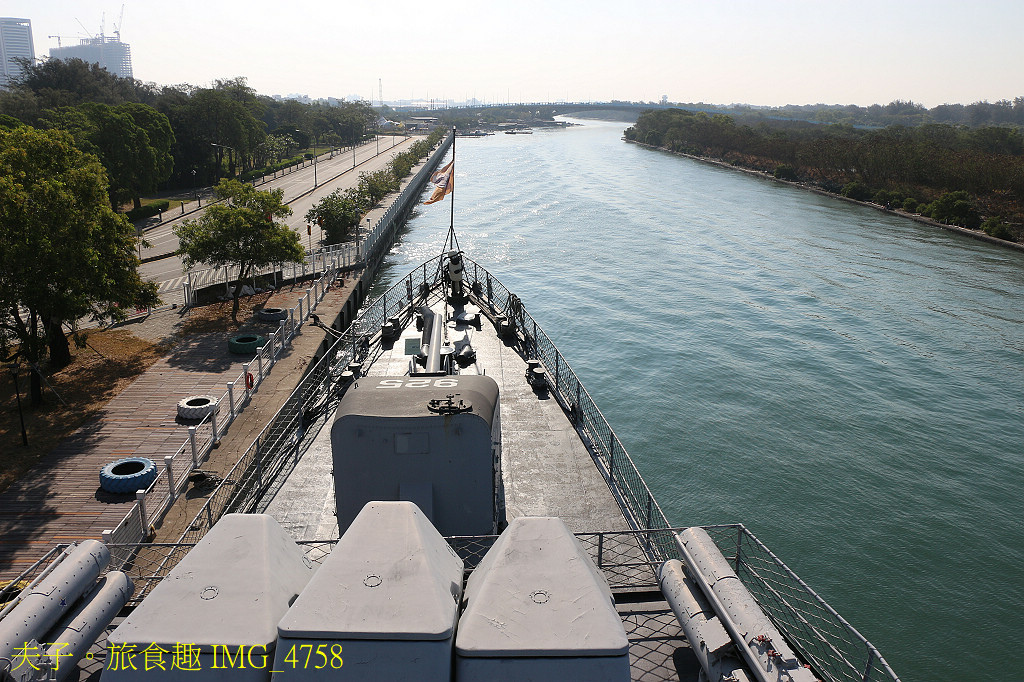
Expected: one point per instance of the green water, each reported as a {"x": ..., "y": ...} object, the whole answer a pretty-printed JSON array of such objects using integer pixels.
[{"x": 845, "y": 382}]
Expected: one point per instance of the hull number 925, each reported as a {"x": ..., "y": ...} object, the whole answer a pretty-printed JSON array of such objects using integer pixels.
[{"x": 429, "y": 382}]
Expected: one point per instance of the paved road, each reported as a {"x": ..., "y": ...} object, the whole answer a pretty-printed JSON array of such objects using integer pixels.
[{"x": 341, "y": 171}]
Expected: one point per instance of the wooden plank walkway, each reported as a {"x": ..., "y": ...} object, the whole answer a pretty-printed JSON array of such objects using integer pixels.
[{"x": 60, "y": 499}]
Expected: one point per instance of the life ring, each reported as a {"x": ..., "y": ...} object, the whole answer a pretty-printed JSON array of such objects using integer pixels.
[
  {"x": 250, "y": 380},
  {"x": 128, "y": 475}
]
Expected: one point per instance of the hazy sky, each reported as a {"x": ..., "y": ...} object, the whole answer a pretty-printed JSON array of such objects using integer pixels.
[{"x": 764, "y": 52}]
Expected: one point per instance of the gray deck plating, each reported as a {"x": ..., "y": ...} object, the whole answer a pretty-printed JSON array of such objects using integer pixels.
[{"x": 546, "y": 469}]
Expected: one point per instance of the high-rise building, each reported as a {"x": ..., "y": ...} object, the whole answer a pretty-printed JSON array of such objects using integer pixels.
[
  {"x": 15, "y": 42},
  {"x": 108, "y": 52}
]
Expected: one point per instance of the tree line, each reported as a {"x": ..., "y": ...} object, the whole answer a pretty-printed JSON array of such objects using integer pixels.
[
  {"x": 179, "y": 137},
  {"x": 1003, "y": 112},
  {"x": 904, "y": 167}
]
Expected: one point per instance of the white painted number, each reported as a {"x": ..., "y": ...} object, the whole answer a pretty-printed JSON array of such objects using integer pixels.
[{"x": 443, "y": 382}]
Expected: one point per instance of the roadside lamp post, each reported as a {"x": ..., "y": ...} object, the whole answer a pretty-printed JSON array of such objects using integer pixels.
[
  {"x": 195, "y": 185},
  {"x": 231, "y": 161},
  {"x": 314, "y": 157},
  {"x": 17, "y": 392}
]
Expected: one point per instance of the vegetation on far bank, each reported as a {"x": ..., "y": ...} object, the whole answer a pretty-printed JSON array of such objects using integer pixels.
[{"x": 972, "y": 177}]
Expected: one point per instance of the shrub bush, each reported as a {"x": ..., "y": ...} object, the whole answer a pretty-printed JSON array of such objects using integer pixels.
[
  {"x": 148, "y": 210},
  {"x": 857, "y": 191},
  {"x": 955, "y": 208},
  {"x": 785, "y": 172},
  {"x": 994, "y": 227}
]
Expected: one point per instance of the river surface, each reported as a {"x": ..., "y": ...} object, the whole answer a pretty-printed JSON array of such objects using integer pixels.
[{"x": 845, "y": 382}]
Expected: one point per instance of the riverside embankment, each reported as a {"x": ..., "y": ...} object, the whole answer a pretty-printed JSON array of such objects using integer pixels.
[{"x": 916, "y": 217}]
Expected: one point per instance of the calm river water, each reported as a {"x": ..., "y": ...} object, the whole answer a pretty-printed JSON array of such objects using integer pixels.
[{"x": 847, "y": 383}]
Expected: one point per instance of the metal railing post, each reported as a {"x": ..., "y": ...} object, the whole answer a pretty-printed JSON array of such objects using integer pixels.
[
  {"x": 611, "y": 458},
  {"x": 140, "y": 497},
  {"x": 231, "y": 397},
  {"x": 245, "y": 373},
  {"x": 284, "y": 335},
  {"x": 192, "y": 442},
  {"x": 168, "y": 462},
  {"x": 259, "y": 362},
  {"x": 213, "y": 426}
]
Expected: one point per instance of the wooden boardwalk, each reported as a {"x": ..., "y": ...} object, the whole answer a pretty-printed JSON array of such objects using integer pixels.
[{"x": 60, "y": 499}]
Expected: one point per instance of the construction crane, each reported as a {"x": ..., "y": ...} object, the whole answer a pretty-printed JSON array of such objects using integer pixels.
[
  {"x": 117, "y": 26},
  {"x": 84, "y": 28}
]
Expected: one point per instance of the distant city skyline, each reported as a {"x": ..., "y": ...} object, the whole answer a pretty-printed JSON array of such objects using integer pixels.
[{"x": 756, "y": 52}]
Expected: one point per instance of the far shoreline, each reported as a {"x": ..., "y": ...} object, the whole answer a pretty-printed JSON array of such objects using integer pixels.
[{"x": 975, "y": 234}]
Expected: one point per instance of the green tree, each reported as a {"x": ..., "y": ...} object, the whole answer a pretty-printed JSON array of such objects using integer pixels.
[
  {"x": 240, "y": 232},
  {"x": 161, "y": 140},
  {"x": 337, "y": 213},
  {"x": 132, "y": 141},
  {"x": 955, "y": 208},
  {"x": 64, "y": 254}
]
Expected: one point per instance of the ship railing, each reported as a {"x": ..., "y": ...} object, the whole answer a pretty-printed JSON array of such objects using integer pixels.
[
  {"x": 815, "y": 629},
  {"x": 835, "y": 650},
  {"x": 627, "y": 485}
]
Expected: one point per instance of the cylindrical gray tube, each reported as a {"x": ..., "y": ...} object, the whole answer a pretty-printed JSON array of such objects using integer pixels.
[
  {"x": 79, "y": 630},
  {"x": 53, "y": 598}
]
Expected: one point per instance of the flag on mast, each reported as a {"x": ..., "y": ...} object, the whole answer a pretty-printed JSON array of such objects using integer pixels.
[{"x": 445, "y": 181}]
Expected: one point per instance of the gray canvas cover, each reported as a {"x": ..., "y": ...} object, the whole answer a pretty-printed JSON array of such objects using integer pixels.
[
  {"x": 390, "y": 577},
  {"x": 230, "y": 590},
  {"x": 536, "y": 593}
]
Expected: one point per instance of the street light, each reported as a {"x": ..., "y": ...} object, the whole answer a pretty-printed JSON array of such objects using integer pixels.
[
  {"x": 13, "y": 367},
  {"x": 314, "y": 157},
  {"x": 231, "y": 160}
]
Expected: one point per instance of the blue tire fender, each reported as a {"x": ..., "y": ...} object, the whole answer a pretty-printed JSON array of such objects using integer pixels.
[{"x": 128, "y": 474}]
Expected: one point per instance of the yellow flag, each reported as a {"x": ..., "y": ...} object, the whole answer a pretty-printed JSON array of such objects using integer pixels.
[{"x": 445, "y": 181}]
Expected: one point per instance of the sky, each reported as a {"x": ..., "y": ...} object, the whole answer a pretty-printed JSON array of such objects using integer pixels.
[{"x": 759, "y": 52}]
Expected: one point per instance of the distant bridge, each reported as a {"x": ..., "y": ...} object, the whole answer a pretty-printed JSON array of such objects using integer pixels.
[{"x": 547, "y": 109}]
